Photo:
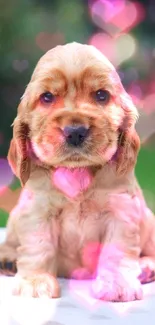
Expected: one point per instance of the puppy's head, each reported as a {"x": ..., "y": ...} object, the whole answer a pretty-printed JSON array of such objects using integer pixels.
[{"x": 74, "y": 113}]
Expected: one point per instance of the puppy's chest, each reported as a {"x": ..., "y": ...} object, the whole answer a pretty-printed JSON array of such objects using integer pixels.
[{"x": 79, "y": 224}]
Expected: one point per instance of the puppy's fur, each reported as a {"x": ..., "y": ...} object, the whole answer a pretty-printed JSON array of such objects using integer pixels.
[{"x": 107, "y": 231}]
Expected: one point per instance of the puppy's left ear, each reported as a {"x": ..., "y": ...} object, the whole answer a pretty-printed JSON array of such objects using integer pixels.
[
  {"x": 18, "y": 156},
  {"x": 128, "y": 142}
]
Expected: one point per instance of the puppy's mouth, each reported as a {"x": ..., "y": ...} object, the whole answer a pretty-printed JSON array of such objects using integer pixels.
[
  {"x": 72, "y": 181},
  {"x": 74, "y": 172},
  {"x": 75, "y": 175}
]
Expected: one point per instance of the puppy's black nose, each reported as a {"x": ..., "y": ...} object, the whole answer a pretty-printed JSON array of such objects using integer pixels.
[{"x": 75, "y": 135}]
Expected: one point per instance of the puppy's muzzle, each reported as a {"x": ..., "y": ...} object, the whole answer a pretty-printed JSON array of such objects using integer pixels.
[{"x": 75, "y": 135}]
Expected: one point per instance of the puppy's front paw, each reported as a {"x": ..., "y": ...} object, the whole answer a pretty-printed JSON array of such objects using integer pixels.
[
  {"x": 40, "y": 285},
  {"x": 113, "y": 286}
]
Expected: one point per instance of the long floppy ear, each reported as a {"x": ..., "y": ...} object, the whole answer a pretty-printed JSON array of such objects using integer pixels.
[
  {"x": 18, "y": 155},
  {"x": 128, "y": 142}
]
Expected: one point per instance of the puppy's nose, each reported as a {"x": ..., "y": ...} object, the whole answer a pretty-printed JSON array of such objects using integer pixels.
[{"x": 75, "y": 135}]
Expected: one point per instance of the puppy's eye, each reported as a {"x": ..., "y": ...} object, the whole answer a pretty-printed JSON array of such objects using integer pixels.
[
  {"x": 102, "y": 96},
  {"x": 47, "y": 97}
]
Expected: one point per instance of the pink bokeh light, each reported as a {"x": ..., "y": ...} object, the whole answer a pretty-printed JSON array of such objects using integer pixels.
[
  {"x": 45, "y": 41},
  {"x": 116, "y": 50},
  {"x": 149, "y": 103},
  {"x": 20, "y": 65},
  {"x": 6, "y": 175},
  {"x": 105, "y": 44},
  {"x": 117, "y": 16},
  {"x": 143, "y": 95},
  {"x": 136, "y": 94}
]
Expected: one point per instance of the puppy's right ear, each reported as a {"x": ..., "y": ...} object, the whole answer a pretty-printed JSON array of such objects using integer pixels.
[{"x": 18, "y": 156}]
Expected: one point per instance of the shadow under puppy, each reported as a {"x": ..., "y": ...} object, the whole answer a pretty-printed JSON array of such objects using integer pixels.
[{"x": 81, "y": 213}]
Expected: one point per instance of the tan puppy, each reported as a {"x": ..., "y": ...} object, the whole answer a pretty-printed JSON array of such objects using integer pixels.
[{"x": 81, "y": 212}]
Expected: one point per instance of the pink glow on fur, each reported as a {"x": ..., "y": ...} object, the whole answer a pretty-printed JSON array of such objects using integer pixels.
[
  {"x": 39, "y": 236},
  {"x": 90, "y": 255},
  {"x": 97, "y": 257},
  {"x": 110, "y": 256},
  {"x": 117, "y": 286},
  {"x": 110, "y": 278},
  {"x": 81, "y": 274},
  {"x": 25, "y": 198},
  {"x": 43, "y": 149},
  {"x": 108, "y": 153},
  {"x": 123, "y": 202},
  {"x": 72, "y": 182},
  {"x": 116, "y": 276}
]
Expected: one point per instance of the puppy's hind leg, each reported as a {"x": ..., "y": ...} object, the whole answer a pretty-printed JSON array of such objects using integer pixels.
[
  {"x": 8, "y": 249},
  {"x": 147, "y": 265},
  {"x": 147, "y": 261}
]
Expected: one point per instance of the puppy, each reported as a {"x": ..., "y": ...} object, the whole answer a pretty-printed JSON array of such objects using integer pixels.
[{"x": 81, "y": 213}]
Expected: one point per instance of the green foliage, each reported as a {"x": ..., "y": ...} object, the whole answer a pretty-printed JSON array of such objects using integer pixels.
[
  {"x": 145, "y": 174},
  {"x": 3, "y": 218}
]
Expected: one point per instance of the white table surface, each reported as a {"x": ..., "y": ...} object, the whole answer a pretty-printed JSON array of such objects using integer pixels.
[{"x": 75, "y": 307}]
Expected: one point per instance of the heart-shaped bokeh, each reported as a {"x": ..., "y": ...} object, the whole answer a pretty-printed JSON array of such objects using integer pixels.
[
  {"x": 117, "y": 50},
  {"x": 6, "y": 175},
  {"x": 45, "y": 41},
  {"x": 116, "y": 16},
  {"x": 20, "y": 65}
]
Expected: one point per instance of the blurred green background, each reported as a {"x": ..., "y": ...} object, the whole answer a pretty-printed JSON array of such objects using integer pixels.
[{"x": 123, "y": 30}]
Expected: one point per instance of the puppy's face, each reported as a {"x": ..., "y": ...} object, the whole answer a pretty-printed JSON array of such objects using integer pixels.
[{"x": 75, "y": 108}]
